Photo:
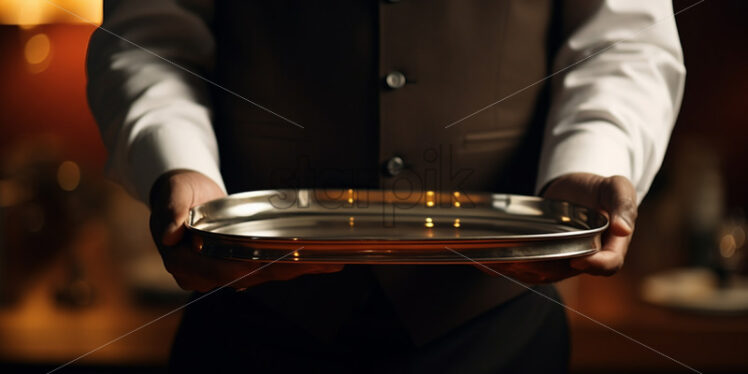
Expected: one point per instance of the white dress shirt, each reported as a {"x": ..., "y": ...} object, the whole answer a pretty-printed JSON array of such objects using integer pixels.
[{"x": 617, "y": 88}]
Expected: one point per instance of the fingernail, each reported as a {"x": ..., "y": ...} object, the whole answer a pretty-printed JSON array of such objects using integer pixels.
[{"x": 625, "y": 222}]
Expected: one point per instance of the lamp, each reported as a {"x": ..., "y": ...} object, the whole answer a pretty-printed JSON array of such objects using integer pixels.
[
  {"x": 28, "y": 13},
  {"x": 38, "y": 20}
]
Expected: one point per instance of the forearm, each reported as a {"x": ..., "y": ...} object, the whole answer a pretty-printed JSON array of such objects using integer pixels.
[
  {"x": 154, "y": 115},
  {"x": 613, "y": 112}
]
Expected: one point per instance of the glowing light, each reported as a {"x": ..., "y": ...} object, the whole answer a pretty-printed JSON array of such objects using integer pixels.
[
  {"x": 36, "y": 12},
  {"x": 457, "y": 204},
  {"x": 429, "y": 198},
  {"x": 68, "y": 176},
  {"x": 727, "y": 246},
  {"x": 351, "y": 221},
  {"x": 565, "y": 219},
  {"x": 37, "y": 49},
  {"x": 350, "y": 196},
  {"x": 457, "y": 222},
  {"x": 12, "y": 193},
  {"x": 197, "y": 243},
  {"x": 429, "y": 222}
]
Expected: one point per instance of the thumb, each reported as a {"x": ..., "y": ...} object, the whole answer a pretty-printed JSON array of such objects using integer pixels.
[
  {"x": 172, "y": 196},
  {"x": 618, "y": 198},
  {"x": 173, "y": 232},
  {"x": 170, "y": 203},
  {"x": 177, "y": 210}
]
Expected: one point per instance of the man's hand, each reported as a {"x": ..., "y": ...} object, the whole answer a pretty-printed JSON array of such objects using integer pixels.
[
  {"x": 616, "y": 197},
  {"x": 172, "y": 196}
]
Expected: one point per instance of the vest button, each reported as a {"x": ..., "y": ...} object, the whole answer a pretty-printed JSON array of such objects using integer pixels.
[
  {"x": 395, "y": 80},
  {"x": 394, "y": 166}
]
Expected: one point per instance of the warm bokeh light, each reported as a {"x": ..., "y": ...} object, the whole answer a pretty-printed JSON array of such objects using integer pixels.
[
  {"x": 37, "y": 12},
  {"x": 429, "y": 198},
  {"x": 37, "y": 49},
  {"x": 68, "y": 176},
  {"x": 429, "y": 222},
  {"x": 12, "y": 193},
  {"x": 727, "y": 246}
]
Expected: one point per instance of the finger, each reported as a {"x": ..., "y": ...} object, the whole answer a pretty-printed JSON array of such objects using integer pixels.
[
  {"x": 197, "y": 284},
  {"x": 279, "y": 272},
  {"x": 283, "y": 271},
  {"x": 242, "y": 274},
  {"x": 190, "y": 267},
  {"x": 327, "y": 268},
  {"x": 532, "y": 272},
  {"x": 181, "y": 200},
  {"x": 618, "y": 198},
  {"x": 578, "y": 188},
  {"x": 198, "y": 272},
  {"x": 608, "y": 260}
]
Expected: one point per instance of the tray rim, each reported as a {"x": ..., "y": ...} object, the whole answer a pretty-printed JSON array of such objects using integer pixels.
[{"x": 492, "y": 239}]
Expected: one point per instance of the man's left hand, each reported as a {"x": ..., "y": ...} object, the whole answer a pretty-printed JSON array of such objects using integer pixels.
[{"x": 616, "y": 197}]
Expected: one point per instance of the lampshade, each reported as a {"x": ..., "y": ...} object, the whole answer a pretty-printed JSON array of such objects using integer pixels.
[{"x": 38, "y": 12}]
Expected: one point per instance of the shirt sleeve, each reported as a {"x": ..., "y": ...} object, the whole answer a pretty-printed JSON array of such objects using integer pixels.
[
  {"x": 144, "y": 91},
  {"x": 617, "y": 92}
]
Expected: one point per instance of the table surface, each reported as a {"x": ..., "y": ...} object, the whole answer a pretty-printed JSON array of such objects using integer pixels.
[{"x": 707, "y": 343}]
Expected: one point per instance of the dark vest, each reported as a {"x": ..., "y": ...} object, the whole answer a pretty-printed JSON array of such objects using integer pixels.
[{"x": 324, "y": 66}]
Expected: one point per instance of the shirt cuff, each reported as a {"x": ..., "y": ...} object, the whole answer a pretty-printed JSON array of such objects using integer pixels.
[
  {"x": 166, "y": 148},
  {"x": 596, "y": 147}
]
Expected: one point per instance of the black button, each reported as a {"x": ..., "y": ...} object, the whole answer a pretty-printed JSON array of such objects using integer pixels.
[
  {"x": 395, "y": 80},
  {"x": 394, "y": 166}
]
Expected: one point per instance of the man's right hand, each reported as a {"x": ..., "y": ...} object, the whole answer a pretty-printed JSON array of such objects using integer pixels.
[{"x": 172, "y": 196}]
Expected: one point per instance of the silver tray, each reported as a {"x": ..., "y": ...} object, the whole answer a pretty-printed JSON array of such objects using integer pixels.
[{"x": 402, "y": 227}]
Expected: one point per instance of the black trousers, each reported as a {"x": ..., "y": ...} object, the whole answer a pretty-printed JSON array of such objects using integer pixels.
[{"x": 227, "y": 333}]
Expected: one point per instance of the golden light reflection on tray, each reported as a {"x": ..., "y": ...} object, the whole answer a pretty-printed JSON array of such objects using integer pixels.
[{"x": 403, "y": 227}]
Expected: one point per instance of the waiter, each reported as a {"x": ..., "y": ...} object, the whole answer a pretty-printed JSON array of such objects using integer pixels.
[{"x": 426, "y": 95}]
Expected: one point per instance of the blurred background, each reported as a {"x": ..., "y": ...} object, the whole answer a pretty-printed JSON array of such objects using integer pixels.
[{"x": 78, "y": 269}]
